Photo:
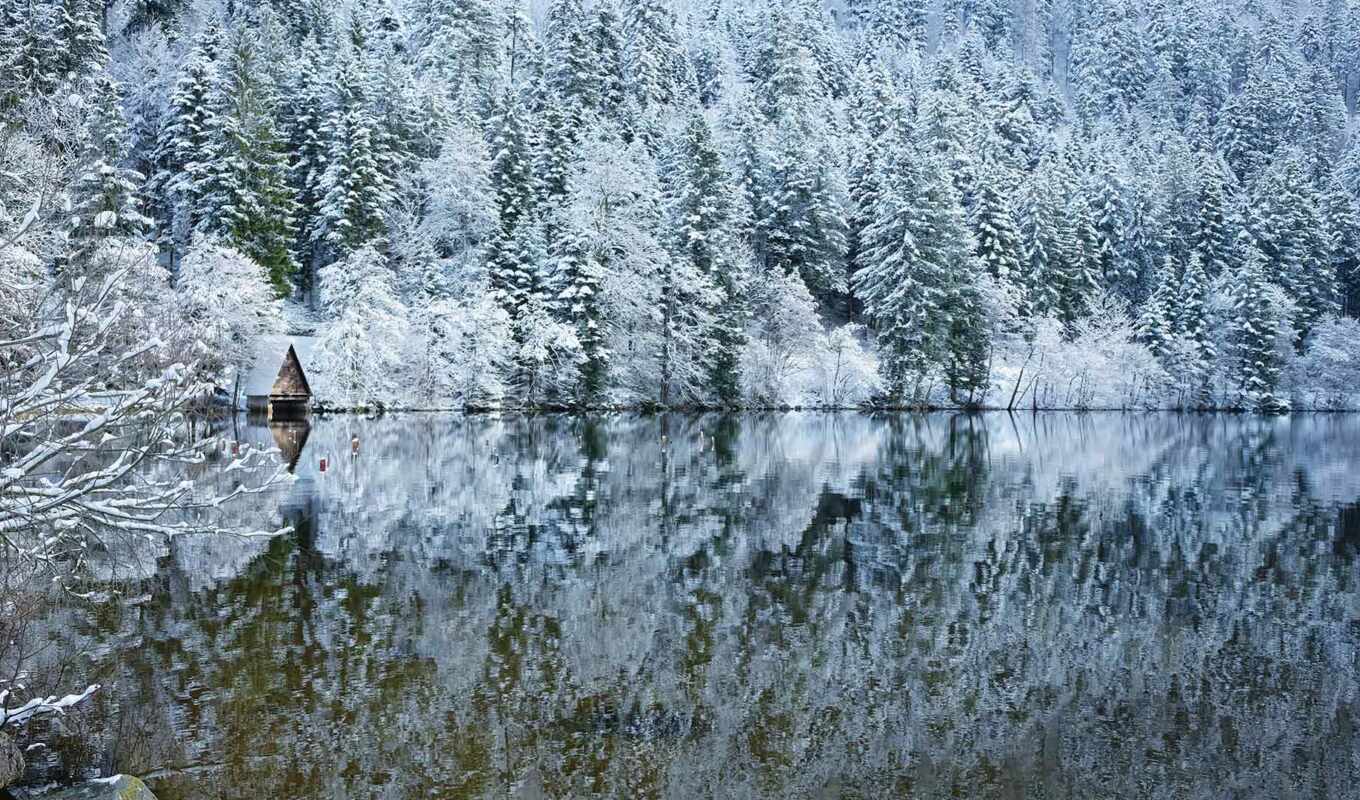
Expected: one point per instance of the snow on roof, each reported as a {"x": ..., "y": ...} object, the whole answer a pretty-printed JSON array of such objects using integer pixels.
[{"x": 270, "y": 352}]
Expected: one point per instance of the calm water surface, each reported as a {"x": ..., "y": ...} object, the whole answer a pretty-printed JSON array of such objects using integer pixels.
[{"x": 804, "y": 606}]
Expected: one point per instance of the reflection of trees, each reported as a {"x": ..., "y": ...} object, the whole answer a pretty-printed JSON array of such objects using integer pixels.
[{"x": 780, "y": 606}]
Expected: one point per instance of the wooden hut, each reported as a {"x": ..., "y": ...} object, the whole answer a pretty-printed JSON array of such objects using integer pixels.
[{"x": 277, "y": 385}]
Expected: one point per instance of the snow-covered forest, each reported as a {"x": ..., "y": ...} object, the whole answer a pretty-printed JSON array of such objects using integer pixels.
[{"x": 1007, "y": 203}]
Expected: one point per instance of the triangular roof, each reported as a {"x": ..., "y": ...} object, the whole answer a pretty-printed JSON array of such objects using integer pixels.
[{"x": 271, "y": 356}]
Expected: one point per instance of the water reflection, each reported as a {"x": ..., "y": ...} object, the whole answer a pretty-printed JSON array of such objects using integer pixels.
[{"x": 765, "y": 606}]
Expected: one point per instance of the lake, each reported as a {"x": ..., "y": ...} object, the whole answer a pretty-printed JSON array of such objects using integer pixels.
[{"x": 764, "y": 606}]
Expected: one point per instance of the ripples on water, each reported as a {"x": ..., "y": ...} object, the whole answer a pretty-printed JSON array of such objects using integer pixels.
[{"x": 821, "y": 606}]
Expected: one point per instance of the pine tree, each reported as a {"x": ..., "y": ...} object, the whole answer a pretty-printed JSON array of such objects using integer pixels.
[
  {"x": 918, "y": 268},
  {"x": 78, "y": 34},
  {"x": 652, "y": 59},
  {"x": 143, "y": 14},
  {"x": 1192, "y": 321},
  {"x": 1110, "y": 213},
  {"x": 1254, "y": 335},
  {"x": 580, "y": 278},
  {"x": 1288, "y": 229},
  {"x": 459, "y": 40},
  {"x": 184, "y": 143},
  {"x": 704, "y": 250},
  {"x": 519, "y": 268},
  {"x": 898, "y": 24},
  {"x": 556, "y": 148},
  {"x": 1213, "y": 237},
  {"x": 512, "y": 178},
  {"x": 104, "y": 201},
  {"x": 1342, "y": 212},
  {"x": 604, "y": 35},
  {"x": 247, "y": 198},
  {"x": 991, "y": 18},
  {"x": 356, "y": 187},
  {"x": 574, "y": 76},
  {"x": 304, "y": 120},
  {"x": 999, "y": 246},
  {"x": 804, "y": 225},
  {"x": 1157, "y": 324},
  {"x": 28, "y": 52}
]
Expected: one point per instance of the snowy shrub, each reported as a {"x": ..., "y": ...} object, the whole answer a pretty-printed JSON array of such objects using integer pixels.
[
  {"x": 465, "y": 350},
  {"x": 844, "y": 373},
  {"x": 1097, "y": 364},
  {"x": 547, "y": 356},
  {"x": 226, "y": 301},
  {"x": 782, "y": 342},
  {"x": 1327, "y": 376},
  {"x": 361, "y": 358}
]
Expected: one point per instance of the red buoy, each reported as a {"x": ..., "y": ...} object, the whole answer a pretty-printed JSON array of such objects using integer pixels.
[{"x": 323, "y": 465}]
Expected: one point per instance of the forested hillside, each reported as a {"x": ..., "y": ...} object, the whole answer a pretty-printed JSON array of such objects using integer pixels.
[{"x": 1032, "y": 203}]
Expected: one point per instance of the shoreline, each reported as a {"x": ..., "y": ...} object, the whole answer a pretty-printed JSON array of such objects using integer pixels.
[{"x": 582, "y": 411}]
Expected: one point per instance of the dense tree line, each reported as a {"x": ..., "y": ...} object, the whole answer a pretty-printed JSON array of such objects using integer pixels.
[{"x": 731, "y": 202}]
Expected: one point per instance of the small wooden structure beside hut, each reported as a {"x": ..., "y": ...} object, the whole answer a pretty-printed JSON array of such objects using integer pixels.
[{"x": 277, "y": 385}]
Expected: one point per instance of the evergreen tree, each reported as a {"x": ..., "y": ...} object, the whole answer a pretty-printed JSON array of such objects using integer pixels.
[
  {"x": 304, "y": 122},
  {"x": 1110, "y": 214},
  {"x": 104, "y": 199},
  {"x": 78, "y": 34},
  {"x": 804, "y": 225},
  {"x": 917, "y": 272},
  {"x": 1157, "y": 324},
  {"x": 247, "y": 198},
  {"x": 898, "y": 24},
  {"x": 652, "y": 59},
  {"x": 604, "y": 35},
  {"x": 580, "y": 278},
  {"x": 1342, "y": 212},
  {"x": 28, "y": 52},
  {"x": 1254, "y": 335},
  {"x": 184, "y": 143},
  {"x": 704, "y": 252},
  {"x": 512, "y": 179},
  {"x": 1192, "y": 321},
  {"x": 356, "y": 188},
  {"x": 999, "y": 246},
  {"x": 1213, "y": 237},
  {"x": 459, "y": 40}
]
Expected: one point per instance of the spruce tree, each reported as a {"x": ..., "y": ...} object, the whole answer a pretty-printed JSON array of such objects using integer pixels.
[
  {"x": 78, "y": 34},
  {"x": 104, "y": 202},
  {"x": 704, "y": 248},
  {"x": 1156, "y": 324},
  {"x": 512, "y": 179},
  {"x": 995, "y": 231},
  {"x": 652, "y": 58},
  {"x": 356, "y": 187},
  {"x": 184, "y": 143},
  {"x": 579, "y": 276},
  {"x": 1213, "y": 237},
  {"x": 1192, "y": 321},
  {"x": 917, "y": 272},
  {"x": 1254, "y": 335},
  {"x": 804, "y": 225},
  {"x": 1342, "y": 213},
  {"x": 28, "y": 52},
  {"x": 248, "y": 200}
]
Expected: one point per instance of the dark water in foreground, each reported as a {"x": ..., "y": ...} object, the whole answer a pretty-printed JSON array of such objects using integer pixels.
[{"x": 809, "y": 606}]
